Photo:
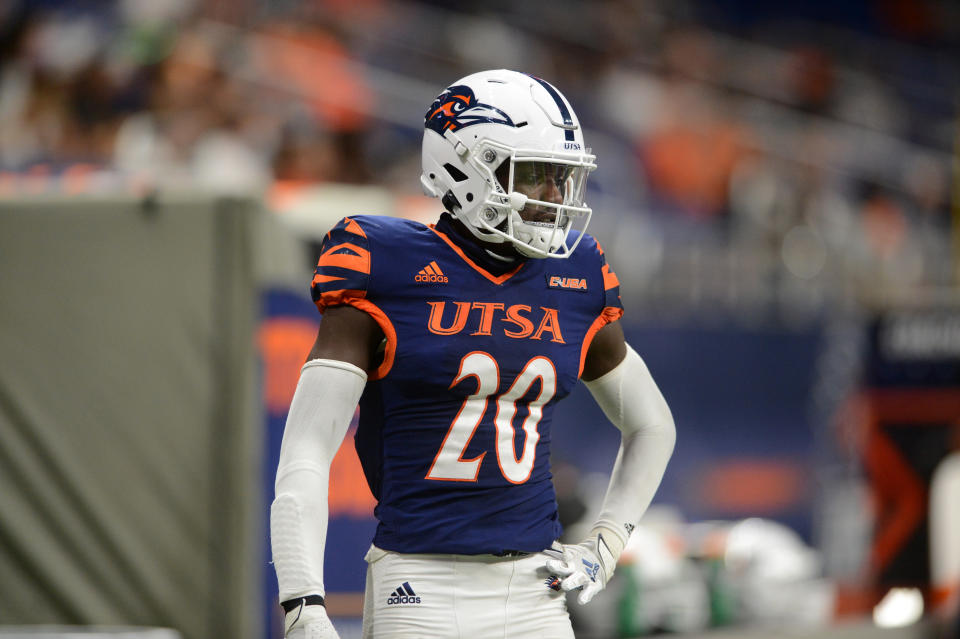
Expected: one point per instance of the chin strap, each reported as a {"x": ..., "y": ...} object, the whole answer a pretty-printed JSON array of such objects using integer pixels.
[{"x": 501, "y": 258}]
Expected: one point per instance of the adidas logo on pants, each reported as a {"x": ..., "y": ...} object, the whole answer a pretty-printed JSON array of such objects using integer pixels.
[
  {"x": 404, "y": 594},
  {"x": 461, "y": 597}
]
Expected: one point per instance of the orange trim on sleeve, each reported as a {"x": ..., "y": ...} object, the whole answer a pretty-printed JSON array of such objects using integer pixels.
[
  {"x": 609, "y": 278},
  {"x": 323, "y": 279},
  {"x": 493, "y": 278},
  {"x": 337, "y": 297},
  {"x": 356, "y": 299},
  {"x": 609, "y": 314},
  {"x": 388, "y": 331},
  {"x": 353, "y": 227},
  {"x": 359, "y": 262}
]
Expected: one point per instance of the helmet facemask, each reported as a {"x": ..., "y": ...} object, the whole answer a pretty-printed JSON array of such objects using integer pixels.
[
  {"x": 536, "y": 200},
  {"x": 546, "y": 199}
]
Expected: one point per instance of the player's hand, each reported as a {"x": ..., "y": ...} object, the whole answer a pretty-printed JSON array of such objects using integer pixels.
[
  {"x": 587, "y": 566},
  {"x": 309, "y": 622}
]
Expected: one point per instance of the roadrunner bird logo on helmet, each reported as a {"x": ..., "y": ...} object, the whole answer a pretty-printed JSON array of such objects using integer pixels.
[
  {"x": 505, "y": 152},
  {"x": 457, "y": 108}
]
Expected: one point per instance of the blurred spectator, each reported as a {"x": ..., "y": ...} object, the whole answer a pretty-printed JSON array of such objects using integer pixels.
[
  {"x": 811, "y": 79},
  {"x": 312, "y": 62},
  {"x": 305, "y": 155},
  {"x": 690, "y": 157},
  {"x": 887, "y": 253},
  {"x": 768, "y": 120}
]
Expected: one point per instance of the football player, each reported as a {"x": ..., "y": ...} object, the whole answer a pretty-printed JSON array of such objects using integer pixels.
[{"x": 458, "y": 340}]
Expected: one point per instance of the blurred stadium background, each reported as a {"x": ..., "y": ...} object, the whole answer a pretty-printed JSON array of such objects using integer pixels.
[{"x": 777, "y": 190}]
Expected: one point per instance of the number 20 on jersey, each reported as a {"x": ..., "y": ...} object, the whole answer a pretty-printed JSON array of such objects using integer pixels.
[{"x": 449, "y": 464}]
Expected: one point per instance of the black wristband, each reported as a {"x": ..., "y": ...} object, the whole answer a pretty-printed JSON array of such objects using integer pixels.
[{"x": 309, "y": 600}]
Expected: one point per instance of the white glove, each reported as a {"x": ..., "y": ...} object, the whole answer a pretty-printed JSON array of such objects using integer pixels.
[
  {"x": 587, "y": 565},
  {"x": 309, "y": 622}
]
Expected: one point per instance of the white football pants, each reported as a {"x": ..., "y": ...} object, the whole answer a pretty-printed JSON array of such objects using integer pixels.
[{"x": 461, "y": 597}]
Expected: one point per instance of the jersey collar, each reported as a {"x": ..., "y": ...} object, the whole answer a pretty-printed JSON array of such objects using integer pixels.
[{"x": 491, "y": 268}]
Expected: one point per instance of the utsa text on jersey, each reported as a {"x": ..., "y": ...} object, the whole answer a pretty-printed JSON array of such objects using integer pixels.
[{"x": 481, "y": 315}]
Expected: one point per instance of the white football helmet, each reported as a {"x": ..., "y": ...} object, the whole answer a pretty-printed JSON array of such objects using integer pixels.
[{"x": 505, "y": 152}]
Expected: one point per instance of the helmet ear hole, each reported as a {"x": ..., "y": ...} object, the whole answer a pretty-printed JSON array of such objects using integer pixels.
[{"x": 455, "y": 173}]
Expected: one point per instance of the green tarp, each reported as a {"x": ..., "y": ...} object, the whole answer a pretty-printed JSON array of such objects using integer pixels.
[{"x": 129, "y": 430}]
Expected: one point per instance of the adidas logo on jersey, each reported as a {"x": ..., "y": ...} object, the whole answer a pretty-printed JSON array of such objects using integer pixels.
[
  {"x": 403, "y": 595},
  {"x": 431, "y": 273}
]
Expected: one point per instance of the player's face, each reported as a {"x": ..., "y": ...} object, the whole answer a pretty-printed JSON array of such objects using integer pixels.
[{"x": 544, "y": 181}]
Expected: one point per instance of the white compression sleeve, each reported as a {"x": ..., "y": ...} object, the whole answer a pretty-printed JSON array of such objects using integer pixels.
[
  {"x": 320, "y": 413},
  {"x": 631, "y": 400}
]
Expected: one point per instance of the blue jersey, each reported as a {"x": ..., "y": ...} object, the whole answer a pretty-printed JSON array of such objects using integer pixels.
[{"x": 454, "y": 432}]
